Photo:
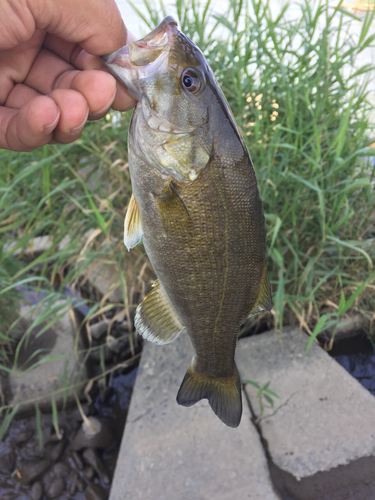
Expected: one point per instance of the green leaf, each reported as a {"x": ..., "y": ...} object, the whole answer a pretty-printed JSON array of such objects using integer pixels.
[{"x": 7, "y": 420}]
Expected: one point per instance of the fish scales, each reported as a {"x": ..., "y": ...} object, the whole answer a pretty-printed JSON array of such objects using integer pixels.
[{"x": 199, "y": 210}]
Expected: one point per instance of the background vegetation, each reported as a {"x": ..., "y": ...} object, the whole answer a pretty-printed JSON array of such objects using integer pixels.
[{"x": 301, "y": 104}]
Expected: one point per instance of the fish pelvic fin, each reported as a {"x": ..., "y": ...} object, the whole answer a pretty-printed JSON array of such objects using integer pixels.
[
  {"x": 223, "y": 394},
  {"x": 133, "y": 231},
  {"x": 156, "y": 319},
  {"x": 264, "y": 299}
]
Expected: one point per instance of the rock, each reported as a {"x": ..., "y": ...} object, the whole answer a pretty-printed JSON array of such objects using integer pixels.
[
  {"x": 81, "y": 485},
  {"x": 351, "y": 326},
  {"x": 54, "y": 451},
  {"x": 97, "y": 330},
  {"x": 320, "y": 433},
  {"x": 31, "y": 470},
  {"x": 88, "y": 473},
  {"x": 24, "y": 436},
  {"x": 105, "y": 394},
  {"x": 77, "y": 460},
  {"x": 61, "y": 469},
  {"x": 36, "y": 491},
  {"x": 92, "y": 434},
  {"x": 7, "y": 461},
  {"x": 74, "y": 477},
  {"x": 10, "y": 496},
  {"x": 93, "y": 459},
  {"x": 170, "y": 452},
  {"x": 95, "y": 354},
  {"x": 124, "y": 325},
  {"x": 95, "y": 492},
  {"x": 56, "y": 487},
  {"x": 58, "y": 340},
  {"x": 105, "y": 278}
]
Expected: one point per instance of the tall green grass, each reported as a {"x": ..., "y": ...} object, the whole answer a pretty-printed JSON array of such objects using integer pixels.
[
  {"x": 301, "y": 103},
  {"x": 302, "y": 107}
]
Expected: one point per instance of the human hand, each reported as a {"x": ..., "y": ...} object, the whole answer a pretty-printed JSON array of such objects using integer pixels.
[{"x": 49, "y": 79}]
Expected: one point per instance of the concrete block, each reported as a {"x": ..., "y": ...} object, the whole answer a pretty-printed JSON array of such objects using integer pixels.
[
  {"x": 169, "y": 452},
  {"x": 31, "y": 377},
  {"x": 323, "y": 425}
]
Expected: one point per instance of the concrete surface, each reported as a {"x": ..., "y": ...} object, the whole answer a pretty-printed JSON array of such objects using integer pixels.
[
  {"x": 105, "y": 278},
  {"x": 26, "y": 383},
  {"x": 169, "y": 452},
  {"x": 324, "y": 417}
]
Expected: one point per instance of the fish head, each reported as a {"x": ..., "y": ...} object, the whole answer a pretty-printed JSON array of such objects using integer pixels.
[{"x": 171, "y": 80}]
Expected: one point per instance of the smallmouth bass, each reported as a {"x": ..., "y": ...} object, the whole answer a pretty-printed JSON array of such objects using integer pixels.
[{"x": 197, "y": 209}]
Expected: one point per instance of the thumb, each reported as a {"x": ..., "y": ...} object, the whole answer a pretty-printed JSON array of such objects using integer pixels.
[{"x": 95, "y": 24}]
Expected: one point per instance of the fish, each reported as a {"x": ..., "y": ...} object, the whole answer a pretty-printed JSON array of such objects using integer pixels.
[{"x": 197, "y": 209}]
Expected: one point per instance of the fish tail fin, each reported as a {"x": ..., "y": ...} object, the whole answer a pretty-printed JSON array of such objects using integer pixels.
[{"x": 223, "y": 394}]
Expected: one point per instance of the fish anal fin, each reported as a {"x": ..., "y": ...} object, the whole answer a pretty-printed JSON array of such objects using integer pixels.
[
  {"x": 223, "y": 394},
  {"x": 133, "y": 231},
  {"x": 156, "y": 319},
  {"x": 264, "y": 299}
]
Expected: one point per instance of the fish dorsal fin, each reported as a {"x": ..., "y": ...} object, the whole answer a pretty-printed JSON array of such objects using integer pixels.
[
  {"x": 133, "y": 231},
  {"x": 264, "y": 299},
  {"x": 156, "y": 319}
]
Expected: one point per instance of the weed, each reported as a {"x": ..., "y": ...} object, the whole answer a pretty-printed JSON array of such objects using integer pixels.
[{"x": 301, "y": 103}]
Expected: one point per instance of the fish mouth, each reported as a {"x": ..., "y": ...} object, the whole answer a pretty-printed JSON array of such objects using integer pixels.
[{"x": 144, "y": 51}]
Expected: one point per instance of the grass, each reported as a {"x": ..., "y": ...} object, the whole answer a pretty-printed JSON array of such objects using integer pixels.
[{"x": 301, "y": 105}]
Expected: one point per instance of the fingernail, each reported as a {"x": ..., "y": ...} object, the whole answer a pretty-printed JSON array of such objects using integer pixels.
[
  {"x": 76, "y": 130},
  {"x": 101, "y": 112},
  {"x": 51, "y": 127}
]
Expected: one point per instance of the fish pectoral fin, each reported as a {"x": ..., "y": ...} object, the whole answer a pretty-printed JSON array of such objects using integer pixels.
[
  {"x": 223, "y": 394},
  {"x": 133, "y": 231},
  {"x": 264, "y": 299},
  {"x": 156, "y": 319},
  {"x": 172, "y": 208}
]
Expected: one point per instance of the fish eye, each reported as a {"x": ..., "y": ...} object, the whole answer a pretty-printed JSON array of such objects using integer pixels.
[{"x": 191, "y": 80}]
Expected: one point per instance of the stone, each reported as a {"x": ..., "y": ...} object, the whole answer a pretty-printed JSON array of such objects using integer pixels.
[
  {"x": 74, "y": 477},
  {"x": 77, "y": 460},
  {"x": 105, "y": 278},
  {"x": 322, "y": 424},
  {"x": 36, "y": 491},
  {"x": 93, "y": 433},
  {"x": 26, "y": 382},
  {"x": 92, "y": 458},
  {"x": 55, "y": 488},
  {"x": 350, "y": 326},
  {"x": 88, "y": 473},
  {"x": 28, "y": 471},
  {"x": 81, "y": 485},
  {"x": 7, "y": 461},
  {"x": 169, "y": 452},
  {"x": 53, "y": 451},
  {"x": 61, "y": 469},
  {"x": 24, "y": 436},
  {"x": 99, "y": 329},
  {"x": 95, "y": 492}
]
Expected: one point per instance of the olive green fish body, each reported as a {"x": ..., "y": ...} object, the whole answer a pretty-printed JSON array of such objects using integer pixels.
[{"x": 197, "y": 208}]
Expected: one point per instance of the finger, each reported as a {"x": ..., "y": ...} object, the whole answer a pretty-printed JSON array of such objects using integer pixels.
[
  {"x": 29, "y": 127},
  {"x": 46, "y": 72},
  {"x": 50, "y": 72},
  {"x": 74, "y": 54},
  {"x": 20, "y": 95},
  {"x": 95, "y": 24},
  {"x": 101, "y": 93},
  {"x": 15, "y": 63},
  {"x": 73, "y": 115},
  {"x": 123, "y": 101}
]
